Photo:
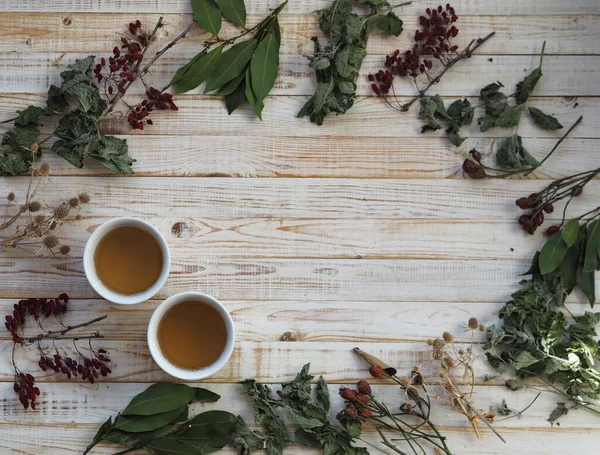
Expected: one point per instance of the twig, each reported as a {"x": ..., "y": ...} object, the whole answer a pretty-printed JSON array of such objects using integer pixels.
[
  {"x": 466, "y": 53},
  {"x": 58, "y": 334},
  {"x": 75, "y": 338},
  {"x": 522, "y": 410}
]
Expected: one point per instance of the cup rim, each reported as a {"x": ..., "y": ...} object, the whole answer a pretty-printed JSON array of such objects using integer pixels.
[
  {"x": 90, "y": 269},
  {"x": 154, "y": 346}
]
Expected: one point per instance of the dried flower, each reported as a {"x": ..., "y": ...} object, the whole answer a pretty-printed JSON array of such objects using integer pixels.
[
  {"x": 364, "y": 388},
  {"x": 84, "y": 198},
  {"x": 448, "y": 337},
  {"x": 347, "y": 394},
  {"x": 44, "y": 168},
  {"x": 363, "y": 399},
  {"x": 473, "y": 323},
  {"x": 481, "y": 328},
  {"x": 50, "y": 241},
  {"x": 74, "y": 202},
  {"x": 34, "y": 206},
  {"x": 62, "y": 211},
  {"x": 64, "y": 249},
  {"x": 376, "y": 371},
  {"x": 365, "y": 413},
  {"x": 10, "y": 197}
]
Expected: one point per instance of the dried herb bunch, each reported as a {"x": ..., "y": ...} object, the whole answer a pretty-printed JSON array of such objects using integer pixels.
[
  {"x": 433, "y": 42},
  {"x": 337, "y": 64},
  {"x": 33, "y": 227},
  {"x": 88, "y": 364}
]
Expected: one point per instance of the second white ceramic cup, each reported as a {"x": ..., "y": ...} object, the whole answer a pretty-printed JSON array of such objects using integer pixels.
[
  {"x": 90, "y": 268},
  {"x": 161, "y": 360}
]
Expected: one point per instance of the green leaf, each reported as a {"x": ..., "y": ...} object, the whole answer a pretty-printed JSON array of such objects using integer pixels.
[
  {"x": 544, "y": 121},
  {"x": 160, "y": 398},
  {"x": 524, "y": 360},
  {"x": 13, "y": 165},
  {"x": 208, "y": 15},
  {"x": 72, "y": 152},
  {"x": 455, "y": 137},
  {"x": 170, "y": 445},
  {"x": 57, "y": 101},
  {"x": 527, "y": 85},
  {"x": 513, "y": 384},
  {"x": 559, "y": 411},
  {"x": 390, "y": 23},
  {"x": 570, "y": 232},
  {"x": 567, "y": 270},
  {"x": 103, "y": 431},
  {"x": 304, "y": 438},
  {"x": 552, "y": 254},
  {"x": 140, "y": 423},
  {"x": 342, "y": 65},
  {"x": 236, "y": 99},
  {"x": 181, "y": 72},
  {"x": 354, "y": 428},
  {"x": 29, "y": 116},
  {"x": 509, "y": 117},
  {"x": 257, "y": 106},
  {"x": 490, "y": 91},
  {"x": 231, "y": 64},
  {"x": 112, "y": 152},
  {"x": 461, "y": 112},
  {"x": 347, "y": 87},
  {"x": 486, "y": 122},
  {"x": 245, "y": 440},
  {"x": 205, "y": 396},
  {"x": 135, "y": 439},
  {"x": 264, "y": 66},
  {"x": 18, "y": 140},
  {"x": 209, "y": 431},
  {"x": 199, "y": 71},
  {"x": 587, "y": 284},
  {"x": 592, "y": 246},
  {"x": 321, "y": 64},
  {"x": 512, "y": 154},
  {"x": 231, "y": 86},
  {"x": 234, "y": 10},
  {"x": 323, "y": 394}
]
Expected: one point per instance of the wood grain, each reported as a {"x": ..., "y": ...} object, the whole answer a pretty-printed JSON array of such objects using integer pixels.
[{"x": 96, "y": 33}]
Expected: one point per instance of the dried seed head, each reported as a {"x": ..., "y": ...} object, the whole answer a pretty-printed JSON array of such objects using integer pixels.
[
  {"x": 45, "y": 168},
  {"x": 24, "y": 208},
  {"x": 84, "y": 198},
  {"x": 10, "y": 197},
  {"x": 50, "y": 241},
  {"x": 34, "y": 147},
  {"x": 40, "y": 219},
  {"x": 448, "y": 337},
  {"x": 405, "y": 382},
  {"x": 34, "y": 206},
  {"x": 473, "y": 323},
  {"x": 429, "y": 342},
  {"x": 438, "y": 343},
  {"x": 61, "y": 211},
  {"x": 64, "y": 249},
  {"x": 74, "y": 202},
  {"x": 461, "y": 352},
  {"x": 78, "y": 217},
  {"x": 481, "y": 328},
  {"x": 448, "y": 362}
]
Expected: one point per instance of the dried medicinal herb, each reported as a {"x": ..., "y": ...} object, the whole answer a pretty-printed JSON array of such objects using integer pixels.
[{"x": 337, "y": 63}]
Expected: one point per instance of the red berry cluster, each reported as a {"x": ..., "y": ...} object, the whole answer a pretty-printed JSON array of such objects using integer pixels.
[
  {"x": 88, "y": 369},
  {"x": 357, "y": 402},
  {"x": 35, "y": 308},
  {"x": 530, "y": 222},
  {"x": 156, "y": 100},
  {"x": 25, "y": 389},
  {"x": 122, "y": 64},
  {"x": 433, "y": 39}
]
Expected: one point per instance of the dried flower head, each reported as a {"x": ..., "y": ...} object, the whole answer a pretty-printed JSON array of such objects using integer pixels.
[
  {"x": 61, "y": 211},
  {"x": 74, "y": 202},
  {"x": 10, "y": 197},
  {"x": 34, "y": 147},
  {"x": 45, "y": 168},
  {"x": 481, "y": 328},
  {"x": 448, "y": 361},
  {"x": 34, "y": 206},
  {"x": 84, "y": 198},
  {"x": 364, "y": 388},
  {"x": 40, "y": 219},
  {"x": 64, "y": 249},
  {"x": 473, "y": 323},
  {"x": 50, "y": 241},
  {"x": 448, "y": 337}
]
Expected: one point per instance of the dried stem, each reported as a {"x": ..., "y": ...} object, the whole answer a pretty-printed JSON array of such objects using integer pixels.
[
  {"x": 58, "y": 334},
  {"x": 466, "y": 53}
]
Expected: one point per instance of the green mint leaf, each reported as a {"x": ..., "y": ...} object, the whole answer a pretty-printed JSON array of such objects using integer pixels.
[
  {"x": 347, "y": 87},
  {"x": 322, "y": 392},
  {"x": 513, "y": 384},
  {"x": 234, "y": 10},
  {"x": 73, "y": 152},
  {"x": 455, "y": 136},
  {"x": 390, "y": 23},
  {"x": 354, "y": 428},
  {"x": 208, "y": 15},
  {"x": 570, "y": 232},
  {"x": 244, "y": 440},
  {"x": 489, "y": 91},
  {"x": 29, "y": 116},
  {"x": 509, "y": 117},
  {"x": 559, "y": 411},
  {"x": 461, "y": 112},
  {"x": 18, "y": 140},
  {"x": 524, "y": 360},
  {"x": 142, "y": 423},
  {"x": 486, "y": 122},
  {"x": 231, "y": 64},
  {"x": 13, "y": 165},
  {"x": 342, "y": 65},
  {"x": 199, "y": 71},
  {"x": 57, "y": 101},
  {"x": 264, "y": 66},
  {"x": 160, "y": 398},
  {"x": 512, "y": 154},
  {"x": 321, "y": 64},
  {"x": 527, "y": 85},
  {"x": 504, "y": 410},
  {"x": 552, "y": 254},
  {"x": 112, "y": 152},
  {"x": 544, "y": 121},
  {"x": 304, "y": 438}
]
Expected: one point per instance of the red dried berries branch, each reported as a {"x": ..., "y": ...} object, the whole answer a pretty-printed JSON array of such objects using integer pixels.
[
  {"x": 543, "y": 202},
  {"x": 432, "y": 41},
  {"x": 87, "y": 366}
]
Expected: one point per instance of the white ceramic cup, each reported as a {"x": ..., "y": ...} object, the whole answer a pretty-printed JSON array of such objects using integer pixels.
[
  {"x": 160, "y": 359},
  {"x": 89, "y": 265}
]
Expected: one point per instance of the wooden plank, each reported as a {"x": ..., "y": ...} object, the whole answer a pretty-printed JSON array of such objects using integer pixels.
[
  {"x": 95, "y": 33},
  {"x": 72, "y": 438},
  {"x": 34, "y": 72},
  {"x": 299, "y": 198},
  {"x": 425, "y": 157},
  {"x": 511, "y": 7},
  {"x": 93, "y": 404},
  {"x": 201, "y": 115}
]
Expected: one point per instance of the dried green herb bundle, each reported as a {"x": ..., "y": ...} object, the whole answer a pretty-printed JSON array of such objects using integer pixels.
[{"x": 337, "y": 64}]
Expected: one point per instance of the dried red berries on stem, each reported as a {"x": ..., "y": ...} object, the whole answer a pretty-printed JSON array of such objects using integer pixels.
[
  {"x": 89, "y": 364},
  {"x": 432, "y": 42}
]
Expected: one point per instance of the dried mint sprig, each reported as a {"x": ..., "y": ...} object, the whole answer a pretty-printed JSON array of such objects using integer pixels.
[{"x": 337, "y": 64}]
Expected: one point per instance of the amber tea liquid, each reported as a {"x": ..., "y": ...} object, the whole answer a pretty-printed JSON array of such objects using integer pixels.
[
  {"x": 192, "y": 335},
  {"x": 128, "y": 260}
]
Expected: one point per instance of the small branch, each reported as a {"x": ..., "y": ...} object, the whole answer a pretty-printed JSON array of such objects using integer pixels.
[
  {"x": 517, "y": 414},
  {"x": 58, "y": 334},
  {"x": 579, "y": 120},
  {"x": 9, "y": 120},
  {"x": 74, "y": 338},
  {"x": 466, "y": 53}
]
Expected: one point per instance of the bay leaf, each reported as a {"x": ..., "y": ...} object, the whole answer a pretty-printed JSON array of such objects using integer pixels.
[
  {"x": 205, "y": 396},
  {"x": 208, "y": 15},
  {"x": 567, "y": 270},
  {"x": 185, "y": 68},
  {"x": 231, "y": 86},
  {"x": 570, "y": 232},
  {"x": 236, "y": 99},
  {"x": 587, "y": 283},
  {"x": 251, "y": 97},
  {"x": 231, "y": 64},
  {"x": 141, "y": 423},
  {"x": 199, "y": 71},
  {"x": 234, "y": 10},
  {"x": 552, "y": 254},
  {"x": 159, "y": 398},
  {"x": 170, "y": 445},
  {"x": 264, "y": 66},
  {"x": 103, "y": 431},
  {"x": 544, "y": 121},
  {"x": 592, "y": 246},
  {"x": 209, "y": 431}
]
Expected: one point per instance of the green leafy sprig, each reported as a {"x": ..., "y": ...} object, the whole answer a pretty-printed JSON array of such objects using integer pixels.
[
  {"x": 244, "y": 72},
  {"x": 157, "y": 421},
  {"x": 337, "y": 64}
]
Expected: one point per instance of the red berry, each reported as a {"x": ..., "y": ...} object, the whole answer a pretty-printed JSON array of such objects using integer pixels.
[
  {"x": 348, "y": 394},
  {"x": 539, "y": 219},
  {"x": 549, "y": 208},
  {"x": 577, "y": 191},
  {"x": 365, "y": 413},
  {"x": 363, "y": 399},
  {"x": 552, "y": 230},
  {"x": 364, "y": 388},
  {"x": 376, "y": 371}
]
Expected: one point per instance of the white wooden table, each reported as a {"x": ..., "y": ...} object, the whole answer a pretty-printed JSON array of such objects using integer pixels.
[{"x": 361, "y": 232}]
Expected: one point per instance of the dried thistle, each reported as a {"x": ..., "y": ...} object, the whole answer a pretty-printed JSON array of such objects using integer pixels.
[{"x": 27, "y": 230}]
